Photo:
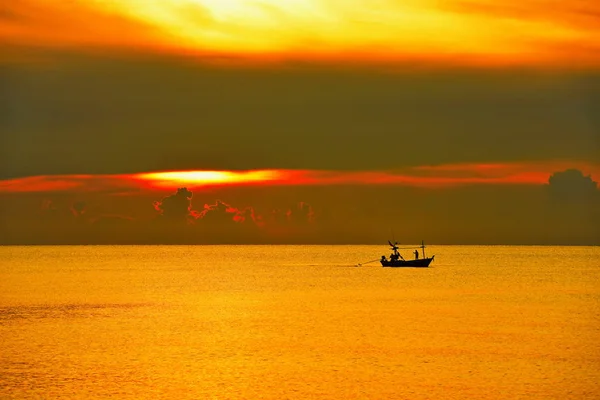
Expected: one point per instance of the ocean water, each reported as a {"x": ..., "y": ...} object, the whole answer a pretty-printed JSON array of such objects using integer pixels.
[{"x": 298, "y": 322}]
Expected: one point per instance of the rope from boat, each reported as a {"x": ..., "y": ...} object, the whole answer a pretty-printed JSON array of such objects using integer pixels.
[{"x": 368, "y": 262}]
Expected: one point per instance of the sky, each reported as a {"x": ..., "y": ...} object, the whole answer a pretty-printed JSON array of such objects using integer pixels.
[{"x": 300, "y": 121}]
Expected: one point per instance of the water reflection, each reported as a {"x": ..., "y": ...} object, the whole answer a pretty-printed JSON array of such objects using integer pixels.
[
  {"x": 289, "y": 322},
  {"x": 62, "y": 311}
]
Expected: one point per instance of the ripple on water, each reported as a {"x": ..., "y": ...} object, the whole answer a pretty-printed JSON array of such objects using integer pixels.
[{"x": 62, "y": 311}]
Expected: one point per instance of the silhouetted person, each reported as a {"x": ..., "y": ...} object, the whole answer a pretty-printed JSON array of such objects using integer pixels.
[{"x": 416, "y": 254}]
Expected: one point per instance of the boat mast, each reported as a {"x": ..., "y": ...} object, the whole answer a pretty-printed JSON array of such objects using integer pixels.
[{"x": 423, "y": 248}]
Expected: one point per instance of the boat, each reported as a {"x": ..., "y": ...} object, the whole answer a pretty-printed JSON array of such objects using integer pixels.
[{"x": 396, "y": 259}]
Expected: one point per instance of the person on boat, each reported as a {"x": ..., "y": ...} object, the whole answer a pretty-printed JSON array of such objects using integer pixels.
[
  {"x": 416, "y": 254},
  {"x": 383, "y": 258}
]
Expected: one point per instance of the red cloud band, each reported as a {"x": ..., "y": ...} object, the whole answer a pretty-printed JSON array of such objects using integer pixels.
[{"x": 424, "y": 176}]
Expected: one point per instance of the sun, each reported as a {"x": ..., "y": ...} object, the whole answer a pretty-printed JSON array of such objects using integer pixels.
[
  {"x": 192, "y": 176},
  {"x": 172, "y": 179}
]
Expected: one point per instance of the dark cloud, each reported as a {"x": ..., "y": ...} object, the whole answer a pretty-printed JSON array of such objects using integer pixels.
[
  {"x": 222, "y": 222},
  {"x": 177, "y": 206},
  {"x": 96, "y": 115},
  {"x": 223, "y": 212},
  {"x": 337, "y": 214},
  {"x": 572, "y": 208},
  {"x": 572, "y": 185}
]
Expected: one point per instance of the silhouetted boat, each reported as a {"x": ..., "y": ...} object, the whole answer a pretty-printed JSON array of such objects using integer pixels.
[{"x": 396, "y": 259}]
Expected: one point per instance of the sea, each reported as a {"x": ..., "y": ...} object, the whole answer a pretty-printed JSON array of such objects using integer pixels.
[{"x": 298, "y": 322}]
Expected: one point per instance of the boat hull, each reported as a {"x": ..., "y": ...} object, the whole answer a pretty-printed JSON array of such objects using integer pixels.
[{"x": 420, "y": 263}]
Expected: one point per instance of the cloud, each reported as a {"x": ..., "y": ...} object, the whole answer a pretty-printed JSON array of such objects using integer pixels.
[
  {"x": 572, "y": 185},
  {"x": 182, "y": 117},
  {"x": 575, "y": 13},
  {"x": 223, "y": 212},
  {"x": 108, "y": 184},
  {"x": 224, "y": 222},
  {"x": 177, "y": 206},
  {"x": 483, "y": 214},
  {"x": 441, "y": 175},
  {"x": 572, "y": 205},
  {"x": 216, "y": 218},
  {"x": 465, "y": 32},
  {"x": 40, "y": 184},
  {"x": 61, "y": 24}
]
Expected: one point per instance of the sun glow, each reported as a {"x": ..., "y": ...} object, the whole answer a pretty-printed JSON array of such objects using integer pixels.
[
  {"x": 440, "y": 176},
  {"x": 540, "y": 32},
  {"x": 245, "y": 11},
  {"x": 203, "y": 178}
]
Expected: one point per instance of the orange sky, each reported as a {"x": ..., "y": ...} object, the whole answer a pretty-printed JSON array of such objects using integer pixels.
[
  {"x": 106, "y": 116},
  {"x": 422, "y": 176},
  {"x": 499, "y": 32}
]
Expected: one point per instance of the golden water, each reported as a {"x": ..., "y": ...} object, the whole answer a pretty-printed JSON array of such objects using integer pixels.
[{"x": 298, "y": 322}]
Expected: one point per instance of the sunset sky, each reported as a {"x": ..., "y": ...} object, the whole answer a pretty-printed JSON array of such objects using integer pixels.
[{"x": 300, "y": 121}]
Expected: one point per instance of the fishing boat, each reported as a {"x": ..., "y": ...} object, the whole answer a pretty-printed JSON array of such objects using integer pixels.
[{"x": 396, "y": 259}]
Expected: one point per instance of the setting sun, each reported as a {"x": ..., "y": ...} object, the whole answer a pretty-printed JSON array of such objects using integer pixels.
[{"x": 201, "y": 178}]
